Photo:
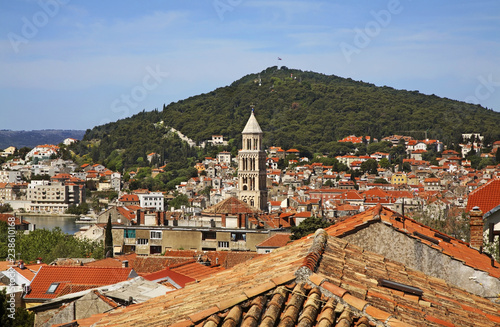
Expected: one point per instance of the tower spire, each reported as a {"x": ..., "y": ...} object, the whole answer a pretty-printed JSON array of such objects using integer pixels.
[{"x": 252, "y": 187}]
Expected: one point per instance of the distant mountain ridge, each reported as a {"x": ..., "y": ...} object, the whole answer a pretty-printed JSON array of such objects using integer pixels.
[{"x": 33, "y": 138}]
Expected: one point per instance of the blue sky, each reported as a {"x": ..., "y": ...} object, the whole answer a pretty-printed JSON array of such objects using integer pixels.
[{"x": 74, "y": 64}]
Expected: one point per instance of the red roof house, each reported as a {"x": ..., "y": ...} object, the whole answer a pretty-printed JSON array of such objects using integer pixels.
[
  {"x": 485, "y": 197},
  {"x": 53, "y": 281}
]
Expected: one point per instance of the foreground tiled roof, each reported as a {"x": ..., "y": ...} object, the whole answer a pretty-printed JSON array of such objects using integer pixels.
[
  {"x": 315, "y": 281},
  {"x": 453, "y": 247},
  {"x": 74, "y": 279},
  {"x": 486, "y": 197}
]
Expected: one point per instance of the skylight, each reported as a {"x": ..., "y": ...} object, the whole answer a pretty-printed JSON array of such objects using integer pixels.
[{"x": 52, "y": 288}]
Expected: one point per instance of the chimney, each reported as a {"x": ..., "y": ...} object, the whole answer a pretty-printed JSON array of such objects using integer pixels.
[
  {"x": 476, "y": 228},
  {"x": 125, "y": 264},
  {"x": 223, "y": 220}
]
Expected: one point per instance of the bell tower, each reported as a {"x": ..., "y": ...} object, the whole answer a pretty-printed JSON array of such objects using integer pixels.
[{"x": 252, "y": 188}]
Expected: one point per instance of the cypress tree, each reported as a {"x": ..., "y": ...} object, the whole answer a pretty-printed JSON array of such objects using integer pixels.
[{"x": 108, "y": 242}]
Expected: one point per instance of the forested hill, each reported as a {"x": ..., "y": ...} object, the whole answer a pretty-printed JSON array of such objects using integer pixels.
[
  {"x": 31, "y": 139},
  {"x": 303, "y": 110}
]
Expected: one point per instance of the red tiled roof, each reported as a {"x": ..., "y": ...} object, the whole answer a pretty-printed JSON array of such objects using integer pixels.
[
  {"x": 150, "y": 264},
  {"x": 61, "y": 176},
  {"x": 232, "y": 206},
  {"x": 17, "y": 220},
  {"x": 275, "y": 221},
  {"x": 303, "y": 214},
  {"x": 27, "y": 273},
  {"x": 195, "y": 269},
  {"x": 116, "y": 261},
  {"x": 485, "y": 197},
  {"x": 275, "y": 241},
  {"x": 74, "y": 277},
  {"x": 161, "y": 275}
]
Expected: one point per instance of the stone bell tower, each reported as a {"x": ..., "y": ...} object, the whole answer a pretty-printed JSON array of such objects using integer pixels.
[{"x": 252, "y": 187}]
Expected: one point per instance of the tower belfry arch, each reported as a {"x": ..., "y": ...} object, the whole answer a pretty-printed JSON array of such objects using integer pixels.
[{"x": 252, "y": 187}]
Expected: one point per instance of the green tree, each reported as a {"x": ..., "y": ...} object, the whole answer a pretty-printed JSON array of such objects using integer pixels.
[
  {"x": 384, "y": 163},
  {"x": 19, "y": 317},
  {"x": 485, "y": 162},
  {"x": 52, "y": 244},
  {"x": 406, "y": 167},
  {"x": 6, "y": 207},
  {"x": 308, "y": 226},
  {"x": 108, "y": 243},
  {"x": 178, "y": 201},
  {"x": 369, "y": 166},
  {"x": 80, "y": 209}
]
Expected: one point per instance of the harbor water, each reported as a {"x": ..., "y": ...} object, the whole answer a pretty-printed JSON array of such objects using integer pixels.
[{"x": 67, "y": 224}]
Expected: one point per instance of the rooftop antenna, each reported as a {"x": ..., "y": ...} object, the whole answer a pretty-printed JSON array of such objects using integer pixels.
[
  {"x": 253, "y": 108},
  {"x": 260, "y": 80}
]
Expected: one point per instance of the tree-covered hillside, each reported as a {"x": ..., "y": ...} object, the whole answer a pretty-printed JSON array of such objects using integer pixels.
[{"x": 304, "y": 110}]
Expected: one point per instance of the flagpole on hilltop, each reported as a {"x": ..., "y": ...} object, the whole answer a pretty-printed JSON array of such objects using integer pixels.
[{"x": 277, "y": 61}]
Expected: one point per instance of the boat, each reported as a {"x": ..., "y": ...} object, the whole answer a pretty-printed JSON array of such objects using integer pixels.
[{"x": 85, "y": 220}]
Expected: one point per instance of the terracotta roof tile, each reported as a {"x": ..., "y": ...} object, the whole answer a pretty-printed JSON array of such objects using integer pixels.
[
  {"x": 167, "y": 273},
  {"x": 485, "y": 197},
  {"x": 73, "y": 279},
  {"x": 194, "y": 269},
  {"x": 232, "y": 206},
  {"x": 455, "y": 248},
  {"x": 275, "y": 241}
]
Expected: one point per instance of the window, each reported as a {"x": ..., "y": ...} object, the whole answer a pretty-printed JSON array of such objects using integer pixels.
[
  {"x": 154, "y": 249},
  {"x": 223, "y": 244},
  {"x": 52, "y": 288},
  {"x": 129, "y": 233},
  {"x": 155, "y": 235},
  {"x": 142, "y": 241},
  {"x": 238, "y": 237},
  {"x": 208, "y": 235}
]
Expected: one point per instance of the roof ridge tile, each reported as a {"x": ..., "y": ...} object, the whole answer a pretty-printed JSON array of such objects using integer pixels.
[{"x": 314, "y": 255}]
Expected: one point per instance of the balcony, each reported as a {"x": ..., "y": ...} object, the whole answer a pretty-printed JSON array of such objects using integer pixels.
[
  {"x": 209, "y": 244},
  {"x": 129, "y": 241}
]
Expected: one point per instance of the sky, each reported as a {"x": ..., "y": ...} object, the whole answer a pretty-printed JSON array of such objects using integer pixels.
[{"x": 76, "y": 64}]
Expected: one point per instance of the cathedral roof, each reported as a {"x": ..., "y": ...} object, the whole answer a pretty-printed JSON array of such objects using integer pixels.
[
  {"x": 231, "y": 206},
  {"x": 252, "y": 126}
]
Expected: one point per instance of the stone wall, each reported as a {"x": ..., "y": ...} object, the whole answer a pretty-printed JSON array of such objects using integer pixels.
[{"x": 397, "y": 246}]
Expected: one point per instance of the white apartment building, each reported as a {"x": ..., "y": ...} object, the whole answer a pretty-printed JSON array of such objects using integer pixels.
[
  {"x": 10, "y": 176},
  {"x": 41, "y": 152},
  {"x": 152, "y": 200},
  {"x": 224, "y": 157},
  {"x": 53, "y": 197}
]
